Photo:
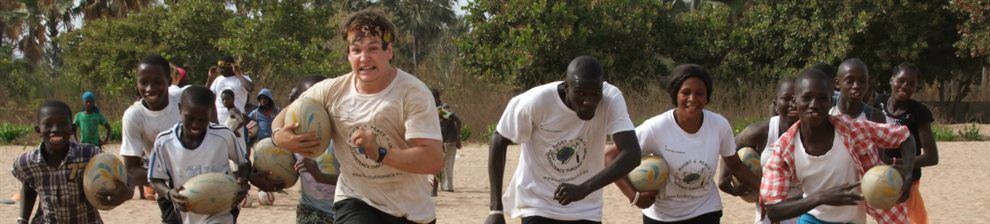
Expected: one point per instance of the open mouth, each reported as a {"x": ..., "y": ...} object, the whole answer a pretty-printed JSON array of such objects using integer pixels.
[
  {"x": 367, "y": 68},
  {"x": 55, "y": 139}
]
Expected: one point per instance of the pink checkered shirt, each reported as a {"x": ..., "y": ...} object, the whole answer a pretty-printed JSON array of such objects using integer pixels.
[{"x": 864, "y": 139}]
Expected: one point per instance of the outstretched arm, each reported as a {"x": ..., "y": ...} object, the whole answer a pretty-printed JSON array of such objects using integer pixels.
[{"x": 791, "y": 208}]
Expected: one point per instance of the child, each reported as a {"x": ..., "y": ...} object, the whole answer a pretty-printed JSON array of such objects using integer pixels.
[
  {"x": 235, "y": 119},
  {"x": 318, "y": 177},
  {"x": 88, "y": 123},
  {"x": 53, "y": 172},
  {"x": 264, "y": 115},
  {"x": 193, "y": 147}
]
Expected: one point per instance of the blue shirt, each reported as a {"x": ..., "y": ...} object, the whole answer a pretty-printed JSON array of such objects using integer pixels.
[{"x": 264, "y": 122}]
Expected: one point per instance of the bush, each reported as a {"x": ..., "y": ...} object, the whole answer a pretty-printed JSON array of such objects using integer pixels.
[
  {"x": 489, "y": 132},
  {"x": 116, "y": 131},
  {"x": 971, "y": 133},
  {"x": 465, "y": 133},
  {"x": 12, "y": 132},
  {"x": 943, "y": 133}
]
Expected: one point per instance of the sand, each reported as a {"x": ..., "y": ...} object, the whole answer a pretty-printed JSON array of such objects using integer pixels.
[{"x": 951, "y": 190}]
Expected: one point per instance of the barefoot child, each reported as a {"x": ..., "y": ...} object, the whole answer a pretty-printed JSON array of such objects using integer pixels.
[{"x": 54, "y": 173}]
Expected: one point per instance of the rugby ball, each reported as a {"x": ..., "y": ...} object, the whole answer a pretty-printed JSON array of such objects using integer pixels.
[
  {"x": 266, "y": 198},
  {"x": 280, "y": 163},
  {"x": 650, "y": 175},
  {"x": 100, "y": 173},
  {"x": 751, "y": 159},
  {"x": 210, "y": 193},
  {"x": 311, "y": 117},
  {"x": 882, "y": 186}
]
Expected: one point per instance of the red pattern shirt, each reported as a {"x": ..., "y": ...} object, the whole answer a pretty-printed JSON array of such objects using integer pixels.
[{"x": 864, "y": 139}]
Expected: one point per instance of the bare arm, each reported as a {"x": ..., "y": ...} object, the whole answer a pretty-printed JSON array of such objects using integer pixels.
[
  {"x": 794, "y": 207},
  {"x": 248, "y": 85},
  {"x": 136, "y": 170},
  {"x": 496, "y": 171},
  {"x": 929, "y": 155},
  {"x": 424, "y": 157},
  {"x": 27, "y": 202},
  {"x": 754, "y": 136},
  {"x": 625, "y": 160},
  {"x": 741, "y": 172},
  {"x": 106, "y": 137},
  {"x": 908, "y": 150}
]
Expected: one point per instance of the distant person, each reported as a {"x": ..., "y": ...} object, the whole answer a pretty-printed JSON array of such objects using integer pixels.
[
  {"x": 227, "y": 75},
  {"x": 53, "y": 172},
  {"x": 562, "y": 127},
  {"x": 900, "y": 109},
  {"x": 194, "y": 147},
  {"x": 450, "y": 126},
  {"x": 179, "y": 81},
  {"x": 235, "y": 118},
  {"x": 317, "y": 176},
  {"x": 88, "y": 122},
  {"x": 262, "y": 117},
  {"x": 157, "y": 111},
  {"x": 853, "y": 81}
]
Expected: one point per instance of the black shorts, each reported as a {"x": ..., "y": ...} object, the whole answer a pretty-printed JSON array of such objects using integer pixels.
[
  {"x": 707, "y": 218},
  {"x": 169, "y": 214},
  {"x": 357, "y": 212},
  {"x": 545, "y": 220}
]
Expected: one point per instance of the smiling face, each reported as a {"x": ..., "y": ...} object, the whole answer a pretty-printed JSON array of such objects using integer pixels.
[
  {"x": 195, "y": 118},
  {"x": 853, "y": 80},
  {"x": 904, "y": 84},
  {"x": 784, "y": 101},
  {"x": 55, "y": 127},
  {"x": 692, "y": 96},
  {"x": 152, "y": 85},
  {"x": 369, "y": 59},
  {"x": 813, "y": 99}
]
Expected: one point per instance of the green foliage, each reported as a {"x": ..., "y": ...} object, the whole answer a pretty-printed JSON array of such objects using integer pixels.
[
  {"x": 465, "y": 133},
  {"x": 489, "y": 132},
  {"x": 740, "y": 124},
  {"x": 971, "y": 132},
  {"x": 12, "y": 132},
  {"x": 943, "y": 133},
  {"x": 975, "y": 29},
  {"x": 189, "y": 34},
  {"x": 116, "y": 131}
]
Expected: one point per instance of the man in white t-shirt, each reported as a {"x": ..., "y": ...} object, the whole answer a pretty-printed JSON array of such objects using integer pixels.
[
  {"x": 157, "y": 111},
  {"x": 386, "y": 132},
  {"x": 853, "y": 80},
  {"x": 232, "y": 78},
  {"x": 562, "y": 127},
  {"x": 195, "y": 147},
  {"x": 827, "y": 156}
]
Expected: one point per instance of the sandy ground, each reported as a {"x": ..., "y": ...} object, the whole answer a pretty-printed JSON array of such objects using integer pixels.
[{"x": 951, "y": 190}]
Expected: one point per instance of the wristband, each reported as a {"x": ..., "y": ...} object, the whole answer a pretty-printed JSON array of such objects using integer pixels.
[
  {"x": 273, "y": 136},
  {"x": 635, "y": 199},
  {"x": 381, "y": 154},
  {"x": 495, "y": 212}
]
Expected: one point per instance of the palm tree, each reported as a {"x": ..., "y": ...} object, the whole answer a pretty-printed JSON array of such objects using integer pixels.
[
  {"x": 423, "y": 20},
  {"x": 12, "y": 15},
  {"x": 96, "y": 9}
]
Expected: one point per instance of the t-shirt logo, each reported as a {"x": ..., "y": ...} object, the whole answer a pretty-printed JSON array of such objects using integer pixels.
[
  {"x": 693, "y": 174},
  {"x": 567, "y": 155},
  {"x": 358, "y": 154}
]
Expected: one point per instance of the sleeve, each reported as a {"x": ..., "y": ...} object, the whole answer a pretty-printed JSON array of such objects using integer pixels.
[
  {"x": 237, "y": 153},
  {"x": 320, "y": 92},
  {"x": 421, "y": 120},
  {"x": 19, "y": 171},
  {"x": 886, "y": 135},
  {"x": 75, "y": 119},
  {"x": 618, "y": 116},
  {"x": 924, "y": 114},
  {"x": 727, "y": 142},
  {"x": 158, "y": 163},
  {"x": 645, "y": 133},
  {"x": 516, "y": 123},
  {"x": 253, "y": 115},
  {"x": 776, "y": 178},
  {"x": 131, "y": 144}
]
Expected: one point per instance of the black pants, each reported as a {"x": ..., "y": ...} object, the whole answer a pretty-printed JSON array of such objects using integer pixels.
[
  {"x": 707, "y": 218},
  {"x": 356, "y": 211},
  {"x": 545, "y": 220},
  {"x": 169, "y": 214}
]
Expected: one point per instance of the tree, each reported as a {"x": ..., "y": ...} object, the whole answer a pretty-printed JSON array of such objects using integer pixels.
[{"x": 422, "y": 21}]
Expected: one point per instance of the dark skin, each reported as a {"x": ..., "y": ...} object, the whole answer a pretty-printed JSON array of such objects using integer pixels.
[
  {"x": 307, "y": 164},
  {"x": 903, "y": 86},
  {"x": 228, "y": 102},
  {"x": 817, "y": 134},
  {"x": 689, "y": 115},
  {"x": 582, "y": 96},
  {"x": 55, "y": 128},
  {"x": 106, "y": 135},
  {"x": 853, "y": 81},
  {"x": 152, "y": 86},
  {"x": 231, "y": 70},
  {"x": 194, "y": 127},
  {"x": 754, "y": 136}
]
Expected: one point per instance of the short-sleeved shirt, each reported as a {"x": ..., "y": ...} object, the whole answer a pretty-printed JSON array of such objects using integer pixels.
[
  {"x": 316, "y": 195},
  {"x": 141, "y": 127},
  {"x": 60, "y": 188},
  {"x": 916, "y": 115},
  {"x": 448, "y": 124},
  {"x": 264, "y": 121},
  {"x": 240, "y": 94},
  {"x": 404, "y": 110},
  {"x": 175, "y": 163},
  {"x": 89, "y": 126},
  {"x": 558, "y": 147},
  {"x": 863, "y": 139},
  {"x": 692, "y": 159}
]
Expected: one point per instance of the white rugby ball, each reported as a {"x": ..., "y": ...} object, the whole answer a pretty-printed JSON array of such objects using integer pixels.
[
  {"x": 280, "y": 163},
  {"x": 100, "y": 173},
  {"x": 311, "y": 117},
  {"x": 210, "y": 193}
]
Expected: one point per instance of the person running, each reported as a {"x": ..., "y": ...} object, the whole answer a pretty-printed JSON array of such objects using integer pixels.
[
  {"x": 691, "y": 140},
  {"x": 386, "y": 131},
  {"x": 760, "y": 136},
  {"x": 827, "y": 156},
  {"x": 562, "y": 127},
  {"x": 900, "y": 109}
]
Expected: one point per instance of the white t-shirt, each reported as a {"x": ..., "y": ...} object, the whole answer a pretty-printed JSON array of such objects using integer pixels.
[
  {"x": 176, "y": 164},
  {"x": 836, "y": 112},
  {"x": 558, "y": 147},
  {"x": 402, "y": 111},
  {"x": 773, "y": 134},
  {"x": 820, "y": 173},
  {"x": 234, "y": 119},
  {"x": 141, "y": 126},
  {"x": 692, "y": 159},
  {"x": 176, "y": 91},
  {"x": 232, "y": 83}
]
